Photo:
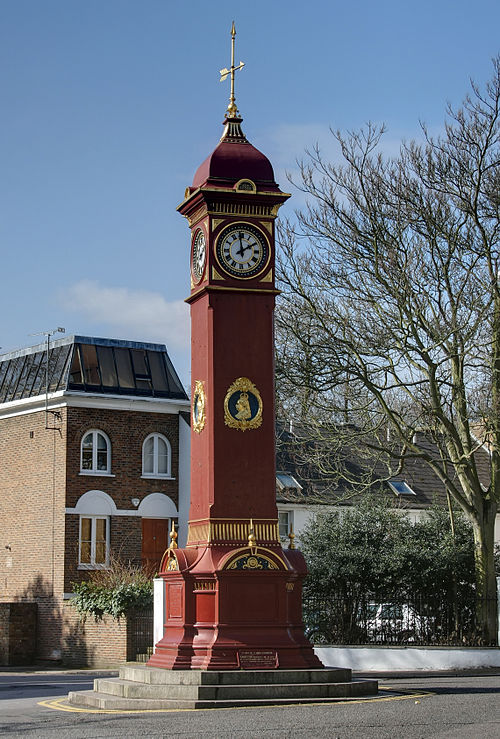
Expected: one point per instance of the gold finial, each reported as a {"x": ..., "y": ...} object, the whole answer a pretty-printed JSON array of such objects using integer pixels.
[
  {"x": 232, "y": 110},
  {"x": 173, "y": 537},
  {"x": 252, "y": 541},
  {"x": 291, "y": 536}
]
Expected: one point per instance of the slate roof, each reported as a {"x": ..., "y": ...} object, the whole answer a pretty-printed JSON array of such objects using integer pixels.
[
  {"x": 87, "y": 364},
  {"x": 318, "y": 489}
]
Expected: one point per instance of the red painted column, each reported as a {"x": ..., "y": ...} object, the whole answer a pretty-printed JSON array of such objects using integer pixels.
[{"x": 233, "y": 595}]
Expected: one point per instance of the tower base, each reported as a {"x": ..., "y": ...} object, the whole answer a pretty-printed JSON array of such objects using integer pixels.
[{"x": 233, "y": 610}]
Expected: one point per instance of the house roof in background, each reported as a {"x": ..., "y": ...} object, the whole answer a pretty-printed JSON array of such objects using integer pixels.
[
  {"x": 323, "y": 489},
  {"x": 87, "y": 364}
]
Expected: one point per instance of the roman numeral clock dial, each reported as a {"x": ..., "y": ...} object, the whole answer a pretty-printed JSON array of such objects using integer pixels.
[
  {"x": 198, "y": 255},
  {"x": 242, "y": 250}
]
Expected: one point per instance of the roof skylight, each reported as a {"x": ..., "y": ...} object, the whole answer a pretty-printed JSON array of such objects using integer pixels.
[
  {"x": 285, "y": 480},
  {"x": 400, "y": 487}
]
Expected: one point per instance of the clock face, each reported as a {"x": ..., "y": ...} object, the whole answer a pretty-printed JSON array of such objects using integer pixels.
[
  {"x": 242, "y": 250},
  {"x": 199, "y": 255}
]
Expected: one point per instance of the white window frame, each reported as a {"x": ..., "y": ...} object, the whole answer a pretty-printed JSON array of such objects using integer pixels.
[
  {"x": 94, "y": 470},
  {"x": 289, "y": 515},
  {"x": 92, "y": 565},
  {"x": 155, "y": 474}
]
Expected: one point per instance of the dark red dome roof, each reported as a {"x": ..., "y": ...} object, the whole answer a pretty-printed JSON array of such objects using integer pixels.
[
  {"x": 234, "y": 162},
  {"x": 235, "y": 159}
]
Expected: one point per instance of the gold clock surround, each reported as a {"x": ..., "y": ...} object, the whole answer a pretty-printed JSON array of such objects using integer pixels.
[
  {"x": 261, "y": 237},
  {"x": 198, "y": 255}
]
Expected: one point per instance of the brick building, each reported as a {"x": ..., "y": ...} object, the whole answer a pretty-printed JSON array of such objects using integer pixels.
[{"x": 96, "y": 466}]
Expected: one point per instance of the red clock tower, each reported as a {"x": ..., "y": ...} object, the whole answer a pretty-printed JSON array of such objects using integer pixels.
[{"x": 233, "y": 595}]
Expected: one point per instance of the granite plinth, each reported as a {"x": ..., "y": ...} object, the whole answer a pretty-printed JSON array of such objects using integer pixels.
[{"x": 142, "y": 688}]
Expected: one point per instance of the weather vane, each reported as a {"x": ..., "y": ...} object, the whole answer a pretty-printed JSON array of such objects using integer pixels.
[{"x": 232, "y": 110}]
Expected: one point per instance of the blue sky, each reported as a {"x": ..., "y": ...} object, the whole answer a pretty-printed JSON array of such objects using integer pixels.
[{"x": 109, "y": 106}]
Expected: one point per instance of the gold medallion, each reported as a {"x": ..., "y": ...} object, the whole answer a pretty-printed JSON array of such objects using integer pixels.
[
  {"x": 243, "y": 405},
  {"x": 198, "y": 412}
]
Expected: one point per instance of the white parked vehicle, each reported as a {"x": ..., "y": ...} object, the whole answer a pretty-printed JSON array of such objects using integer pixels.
[{"x": 399, "y": 621}]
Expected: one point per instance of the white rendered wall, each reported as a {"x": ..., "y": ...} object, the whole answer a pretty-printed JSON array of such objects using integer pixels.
[
  {"x": 301, "y": 515},
  {"x": 402, "y": 659},
  {"x": 158, "y": 609},
  {"x": 184, "y": 479}
]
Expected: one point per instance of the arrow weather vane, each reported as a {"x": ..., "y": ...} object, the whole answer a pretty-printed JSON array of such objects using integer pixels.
[{"x": 232, "y": 110}]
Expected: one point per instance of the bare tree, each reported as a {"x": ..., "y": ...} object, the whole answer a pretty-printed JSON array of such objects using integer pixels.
[{"x": 390, "y": 313}]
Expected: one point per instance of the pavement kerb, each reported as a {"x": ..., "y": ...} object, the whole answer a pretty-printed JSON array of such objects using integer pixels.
[
  {"x": 13, "y": 671},
  {"x": 412, "y": 674},
  {"x": 380, "y": 674}
]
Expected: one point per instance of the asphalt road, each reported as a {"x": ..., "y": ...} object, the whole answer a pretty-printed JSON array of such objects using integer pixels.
[{"x": 444, "y": 707}]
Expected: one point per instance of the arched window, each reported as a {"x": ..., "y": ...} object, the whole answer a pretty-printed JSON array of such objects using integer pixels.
[
  {"x": 156, "y": 456},
  {"x": 95, "y": 456}
]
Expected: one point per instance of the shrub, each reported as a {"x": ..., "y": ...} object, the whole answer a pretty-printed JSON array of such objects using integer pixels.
[
  {"x": 372, "y": 554},
  {"x": 115, "y": 591}
]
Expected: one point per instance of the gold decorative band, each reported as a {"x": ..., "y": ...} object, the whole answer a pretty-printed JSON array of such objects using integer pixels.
[
  {"x": 204, "y": 585},
  {"x": 234, "y": 531},
  {"x": 199, "y": 533},
  {"x": 239, "y": 209}
]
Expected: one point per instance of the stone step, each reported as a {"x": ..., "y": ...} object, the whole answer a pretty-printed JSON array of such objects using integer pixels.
[
  {"x": 120, "y": 688},
  {"x": 157, "y": 676},
  {"x": 105, "y": 701},
  {"x": 130, "y": 689},
  {"x": 143, "y": 688}
]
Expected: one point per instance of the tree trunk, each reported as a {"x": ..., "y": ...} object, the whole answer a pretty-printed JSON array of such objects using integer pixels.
[{"x": 486, "y": 606}]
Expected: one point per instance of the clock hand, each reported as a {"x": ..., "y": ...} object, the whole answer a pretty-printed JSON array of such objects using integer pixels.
[{"x": 241, "y": 251}]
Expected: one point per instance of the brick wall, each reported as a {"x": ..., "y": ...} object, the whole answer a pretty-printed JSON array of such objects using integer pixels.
[
  {"x": 127, "y": 431},
  {"x": 32, "y": 520},
  {"x": 125, "y": 543},
  {"x": 18, "y": 622},
  {"x": 93, "y": 644}
]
